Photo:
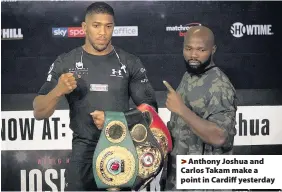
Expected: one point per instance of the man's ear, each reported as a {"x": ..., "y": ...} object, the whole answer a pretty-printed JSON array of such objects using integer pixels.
[
  {"x": 83, "y": 25},
  {"x": 214, "y": 49}
]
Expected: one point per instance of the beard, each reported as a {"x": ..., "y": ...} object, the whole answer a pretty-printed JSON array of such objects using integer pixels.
[
  {"x": 97, "y": 47},
  {"x": 197, "y": 67}
]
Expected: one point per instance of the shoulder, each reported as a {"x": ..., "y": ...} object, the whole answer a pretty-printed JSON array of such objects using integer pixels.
[
  {"x": 218, "y": 85},
  {"x": 70, "y": 55},
  {"x": 125, "y": 54},
  {"x": 127, "y": 57},
  {"x": 221, "y": 94},
  {"x": 63, "y": 61},
  {"x": 183, "y": 81},
  {"x": 185, "y": 77},
  {"x": 66, "y": 60},
  {"x": 219, "y": 79},
  {"x": 132, "y": 62}
]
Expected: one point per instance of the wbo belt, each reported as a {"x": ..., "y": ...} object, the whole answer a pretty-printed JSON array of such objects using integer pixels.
[{"x": 128, "y": 155}]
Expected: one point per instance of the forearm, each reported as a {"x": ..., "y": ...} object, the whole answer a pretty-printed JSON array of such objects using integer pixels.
[
  {"x": 45, "y": 105},
  {"x": 153, "y": 103},
  {"x": 208, "y": 131},
  {"x": 144, "y": 94}
]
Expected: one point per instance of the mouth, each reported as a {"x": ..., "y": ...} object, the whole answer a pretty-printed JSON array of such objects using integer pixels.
[
  {"x": 102, "y": 41},
  {"x": 194, "y": 63}
]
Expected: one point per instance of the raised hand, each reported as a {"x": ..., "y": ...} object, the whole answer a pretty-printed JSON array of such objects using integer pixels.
[
  {"x": 174, "y": 102},
  {"x": 66, "y": 83}
]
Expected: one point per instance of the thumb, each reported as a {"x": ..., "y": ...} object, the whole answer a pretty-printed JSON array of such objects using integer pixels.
[
  {"x": 95, "y": 113},
  {"x": 69, "y": 74},
  {"x": 168, "y": 86}
]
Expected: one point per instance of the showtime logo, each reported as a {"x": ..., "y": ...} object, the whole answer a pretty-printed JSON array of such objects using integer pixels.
[
  {"x": 77, "y": 32},
  {"x": 182, "y": 29},
  {"x": 239, "y": 30}
]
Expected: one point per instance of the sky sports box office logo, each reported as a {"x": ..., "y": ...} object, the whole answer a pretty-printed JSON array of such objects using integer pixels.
[{"x": 76, "y": 32}]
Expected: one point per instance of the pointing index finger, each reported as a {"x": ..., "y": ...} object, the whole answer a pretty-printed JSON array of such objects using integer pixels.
[{"x": 168, "y": 86}]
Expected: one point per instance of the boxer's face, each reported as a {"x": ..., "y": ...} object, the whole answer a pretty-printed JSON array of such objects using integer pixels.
[
  {"x": 197, "y": 52},
  {"x": 98, "y": 28}
]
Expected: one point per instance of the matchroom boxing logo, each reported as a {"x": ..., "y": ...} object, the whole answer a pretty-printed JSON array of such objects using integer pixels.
[
  {"x": 182, "y": 29},
  {"x": 239, "y": 30}
]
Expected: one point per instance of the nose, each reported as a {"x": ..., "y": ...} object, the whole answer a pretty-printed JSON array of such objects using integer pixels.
[
  {"x": 194, "y": 54},
  {"x": 102, "y": 31}
]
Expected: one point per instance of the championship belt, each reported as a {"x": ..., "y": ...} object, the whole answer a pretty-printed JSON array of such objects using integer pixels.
[
  {"x": 131, "y": 150},
  {"x": 115, "y": 160},
  {"x": 150, "y": 154},
  {"x": 161, "y": 133},
  {"x": 157, "y": 127}
]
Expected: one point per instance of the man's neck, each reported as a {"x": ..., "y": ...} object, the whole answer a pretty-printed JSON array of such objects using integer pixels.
[{"x": 89, "y": 49}]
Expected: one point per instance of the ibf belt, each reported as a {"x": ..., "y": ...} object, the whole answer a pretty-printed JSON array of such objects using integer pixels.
[
  {"x": 158, "y": 127},
  {"x": 160, "y": 132},
  {"x": 115, "y": 160},
  {"x": 150, "y": 155}
]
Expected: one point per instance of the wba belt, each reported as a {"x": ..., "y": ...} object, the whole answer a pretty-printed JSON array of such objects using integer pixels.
[
  {"x": 115, "y": 156},
  {"x": 128, "y": 155}
]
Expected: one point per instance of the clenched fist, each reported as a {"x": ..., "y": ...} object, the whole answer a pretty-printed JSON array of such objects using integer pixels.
[
  {"x": 98, "y": 118},
  {"x": 66, "y": 83}
]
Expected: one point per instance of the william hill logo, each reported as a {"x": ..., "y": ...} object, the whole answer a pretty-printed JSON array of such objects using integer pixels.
[{"x": 11, "y": 34}]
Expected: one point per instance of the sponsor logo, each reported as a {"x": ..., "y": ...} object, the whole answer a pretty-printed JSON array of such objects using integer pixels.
[
  {"x": 77, "y": 32},
  {"x": 60, "y": 32},
  {"x": 142, "y": 70},
  {"x": 181, "y": 29},
  {"x": 11, "y": 34},
  {"x": 99, "y": 87},
  {"x": 116, "y": 73},
  {"x": 79, "y": 70},
  {"x": 125, "y": 31},
  {"x": 51, "y": 68},
  {"x": 79, "y": 65},
  {"x": 239, "y": 30},
  {"x": 145, "y": 80},
  {"x": 74, "y": 32},
  {"x": 49, "y": 78}
]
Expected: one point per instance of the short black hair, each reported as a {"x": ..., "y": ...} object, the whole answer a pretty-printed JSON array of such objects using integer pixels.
[{"x": 100, "y": 7}]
